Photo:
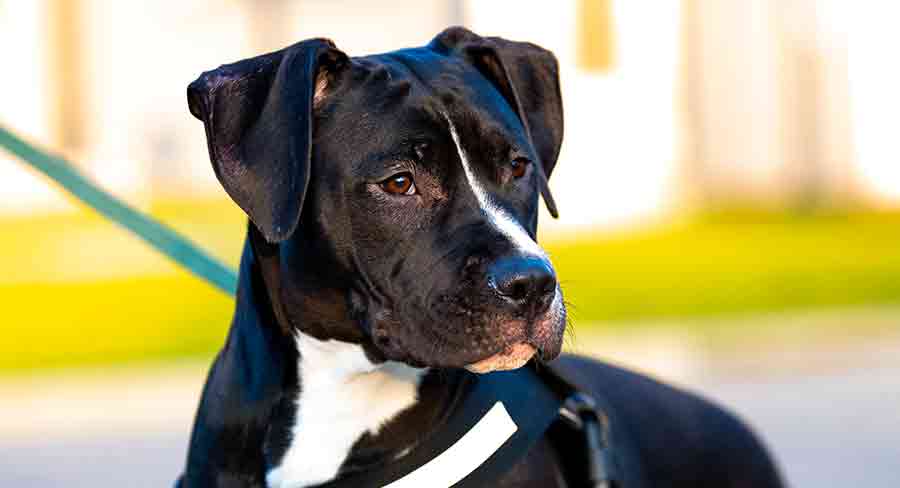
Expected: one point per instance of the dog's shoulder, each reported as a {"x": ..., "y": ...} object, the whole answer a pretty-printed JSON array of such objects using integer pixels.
[{"x": 679, "y": 438}]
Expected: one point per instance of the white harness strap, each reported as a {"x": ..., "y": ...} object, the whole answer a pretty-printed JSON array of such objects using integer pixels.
[{"x": 466, "y": 454}]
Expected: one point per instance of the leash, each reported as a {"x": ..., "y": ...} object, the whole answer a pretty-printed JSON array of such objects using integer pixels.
[{"x": 157, "y": 235}]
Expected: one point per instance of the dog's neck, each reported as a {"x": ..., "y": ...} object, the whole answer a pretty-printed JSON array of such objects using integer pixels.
[
  {"x": 343, "y": 397},
  {"x": 349, "y": 413}
]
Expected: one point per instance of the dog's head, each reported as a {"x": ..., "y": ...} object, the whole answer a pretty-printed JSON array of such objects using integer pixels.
[{"x": 394, "y": 198}]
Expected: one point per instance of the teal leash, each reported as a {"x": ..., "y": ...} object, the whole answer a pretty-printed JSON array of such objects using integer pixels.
[{"x": 162, "y": 238}]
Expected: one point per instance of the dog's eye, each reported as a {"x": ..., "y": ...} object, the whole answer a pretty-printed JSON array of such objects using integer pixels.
[
  {"x": 399, "y": 184},
  {"x": 519, "y": 166}
]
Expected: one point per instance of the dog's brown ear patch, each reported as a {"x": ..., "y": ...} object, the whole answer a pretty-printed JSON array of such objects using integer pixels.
[
  {"x": 258, "y": 118},
  {"x": 320, "y": 89},
  {"x": 527, "y": 76}
]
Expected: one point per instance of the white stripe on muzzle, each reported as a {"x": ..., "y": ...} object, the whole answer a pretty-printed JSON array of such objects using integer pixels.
[{"x": 495, "y": 214}]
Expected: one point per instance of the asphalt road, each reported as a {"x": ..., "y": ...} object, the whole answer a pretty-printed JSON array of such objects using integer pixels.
[
  {"x": 836, "y": 429},
  {"x": 833, "y": 430}
]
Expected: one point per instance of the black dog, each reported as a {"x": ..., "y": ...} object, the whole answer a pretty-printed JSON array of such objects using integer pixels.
[{"x": 391, "y": 255}]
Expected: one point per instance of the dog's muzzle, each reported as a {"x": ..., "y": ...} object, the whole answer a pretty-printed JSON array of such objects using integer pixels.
[{"x": 527, "y": 293}]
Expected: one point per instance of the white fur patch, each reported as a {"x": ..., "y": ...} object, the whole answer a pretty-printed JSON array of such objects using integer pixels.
[
  {"x": 495, "y": 213},
  {"x": 342, "y": 396}
]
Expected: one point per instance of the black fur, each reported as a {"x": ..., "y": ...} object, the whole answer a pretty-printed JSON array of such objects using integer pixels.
[{"x": 301, "y": 139}]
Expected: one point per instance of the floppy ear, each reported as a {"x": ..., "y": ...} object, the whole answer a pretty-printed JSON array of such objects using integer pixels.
[
  {"x": 528, "y": 78},
  {"x": 258, "y": 118}
]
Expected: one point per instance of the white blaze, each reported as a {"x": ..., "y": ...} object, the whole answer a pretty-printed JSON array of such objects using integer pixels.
[{"x": 495, "y": 213}]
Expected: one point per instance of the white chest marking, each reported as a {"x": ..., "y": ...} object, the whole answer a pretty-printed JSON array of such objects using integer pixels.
[
  {"x": 342, "y": 396},
  {"x": 498, "y": 217}
]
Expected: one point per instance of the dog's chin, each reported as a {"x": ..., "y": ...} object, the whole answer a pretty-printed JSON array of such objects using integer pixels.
[
  {"x": 513, "y": 357},
  {"x": 499, "y": 345}
]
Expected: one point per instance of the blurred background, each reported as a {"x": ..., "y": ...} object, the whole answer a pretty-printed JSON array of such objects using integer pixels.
[{"x": 729, "y": 190}]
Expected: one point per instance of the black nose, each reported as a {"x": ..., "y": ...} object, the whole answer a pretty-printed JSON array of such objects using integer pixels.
[{"x": 525, "y": 283}]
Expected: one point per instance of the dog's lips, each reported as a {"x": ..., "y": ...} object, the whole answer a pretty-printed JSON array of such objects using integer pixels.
[{"x": 513, "y": 357}]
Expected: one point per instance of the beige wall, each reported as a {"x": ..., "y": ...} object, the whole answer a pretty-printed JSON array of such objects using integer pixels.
[
  {"x": 784, "y": 101},
  {"x": 874, "y": 78},
  {"x": 137, "y": 59},
  {"x": 617, "y": 162},
  {"x": 767, "y": 103},
  {"x": 24, "y": 106}
]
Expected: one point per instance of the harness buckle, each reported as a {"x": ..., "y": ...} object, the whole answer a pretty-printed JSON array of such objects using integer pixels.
[{"x": 581, "y": 411}]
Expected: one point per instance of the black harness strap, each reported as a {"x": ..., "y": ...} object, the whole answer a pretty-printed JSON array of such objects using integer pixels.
[
  {"x": 535, "y": 397},
  {"x": 532, "y": 409},
  {"x": 583, "y": 418},
  {"x": 582, "y": 413}
]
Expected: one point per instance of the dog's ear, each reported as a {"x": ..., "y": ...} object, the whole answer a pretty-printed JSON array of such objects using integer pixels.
[
  {"x": 528, "y": 78},
  {"x": 258, "y": 115}
]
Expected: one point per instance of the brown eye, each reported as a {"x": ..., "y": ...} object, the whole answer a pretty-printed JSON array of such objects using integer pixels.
[
  {"x": 399, "y": 184},
  {"x": 518, "y": 165}
]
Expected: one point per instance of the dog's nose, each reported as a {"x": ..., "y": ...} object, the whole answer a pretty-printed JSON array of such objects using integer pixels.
[{"x": 524, "y": 283}]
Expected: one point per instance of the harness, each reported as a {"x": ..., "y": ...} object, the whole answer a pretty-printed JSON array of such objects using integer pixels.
[{"x": 497, "y": 419}]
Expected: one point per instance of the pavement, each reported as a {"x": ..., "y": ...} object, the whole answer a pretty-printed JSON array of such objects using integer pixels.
[
  {"x": 123, "y": 428},
  {"x": 840, "y": 429},
  {"x": 831, "y": 416}
]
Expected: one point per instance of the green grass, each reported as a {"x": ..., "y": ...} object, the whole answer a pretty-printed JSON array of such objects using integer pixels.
[
  {"x": 111, "y": 322},
  {"x": 77, "y": 291},
  {"x": 733, "y": 263}
]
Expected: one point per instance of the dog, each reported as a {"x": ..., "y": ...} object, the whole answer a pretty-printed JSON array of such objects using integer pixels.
[{"x": 391, "y": 254}]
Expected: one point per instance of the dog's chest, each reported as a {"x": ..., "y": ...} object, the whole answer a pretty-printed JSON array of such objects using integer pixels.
[{"x": 342, "y": 396}]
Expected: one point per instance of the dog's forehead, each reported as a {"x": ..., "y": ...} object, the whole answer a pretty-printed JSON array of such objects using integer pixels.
[{"x": 418, "y": 86}]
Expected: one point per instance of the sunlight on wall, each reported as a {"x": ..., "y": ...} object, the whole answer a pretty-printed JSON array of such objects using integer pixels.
[
  {"x": 766, "y": 119},
  {"x": 875, "y": 90},
  {"x": 618, "y": 156},
  {"x": 24, "y": 104},
  {"x": 362, "y": 28}
]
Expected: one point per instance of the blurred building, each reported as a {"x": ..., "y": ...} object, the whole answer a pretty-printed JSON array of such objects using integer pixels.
[
  {"x": 766, "y": 103},
  {"x": 668, "y": 103}
]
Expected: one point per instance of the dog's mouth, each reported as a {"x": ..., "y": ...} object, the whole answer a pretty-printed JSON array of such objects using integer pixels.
[
  {"x": 513, "y": 357},
  {"x": 480, "y": 344}
]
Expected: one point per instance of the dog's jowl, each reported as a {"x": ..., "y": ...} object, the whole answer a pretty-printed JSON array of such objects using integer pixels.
[{"x": 391, "y": 259}]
